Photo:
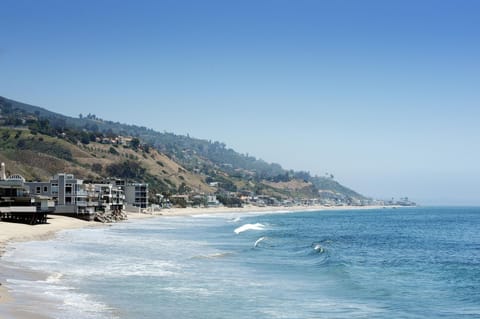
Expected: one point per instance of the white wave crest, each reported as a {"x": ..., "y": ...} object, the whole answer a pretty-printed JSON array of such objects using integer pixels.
[
  {"x": 246, "y": 227},
  {"x": 258, "y": 241},
  {"x": 319, "y": 248}
]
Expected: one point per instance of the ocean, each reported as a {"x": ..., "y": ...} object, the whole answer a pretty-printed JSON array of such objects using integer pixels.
[{"x": 381, "y": 263}]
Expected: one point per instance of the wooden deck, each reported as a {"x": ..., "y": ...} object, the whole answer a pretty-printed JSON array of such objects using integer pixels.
[{"x": 23, "y": 214}]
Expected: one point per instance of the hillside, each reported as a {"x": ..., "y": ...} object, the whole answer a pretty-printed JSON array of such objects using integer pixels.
[
  {"x": 38, "y": 143},
  {"x": 38, "y": 157}
]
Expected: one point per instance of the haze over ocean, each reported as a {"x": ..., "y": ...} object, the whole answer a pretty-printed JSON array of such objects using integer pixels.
[{"x": 382, "y": 94}]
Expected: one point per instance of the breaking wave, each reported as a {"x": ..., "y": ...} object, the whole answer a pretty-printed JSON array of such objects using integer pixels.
[
  {"x": 319, "y": 249},
  {"x": 258, "y": 241},
  {"x": 246, "y": 227}
]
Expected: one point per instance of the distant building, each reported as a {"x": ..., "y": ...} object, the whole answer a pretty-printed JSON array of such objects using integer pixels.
[
  {"x": 136, "y": 194},
  {"x": 212, "y": 201}
]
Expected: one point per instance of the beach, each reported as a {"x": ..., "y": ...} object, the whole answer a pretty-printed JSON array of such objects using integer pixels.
[{"x": 14, "y": 232}]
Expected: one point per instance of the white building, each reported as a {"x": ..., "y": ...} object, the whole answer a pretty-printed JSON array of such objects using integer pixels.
[{"x": 73, "y": 197}]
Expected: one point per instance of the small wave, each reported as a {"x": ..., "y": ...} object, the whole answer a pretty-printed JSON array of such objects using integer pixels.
[
  {"x": 212, "y": 256},
  {"x": 258, "y": 241},
  {"x": 236, "y": 220},
  {"x": 246, "y": 227},
  {"x": 319, "y": 249},
  {"x": 54, "y": 278}
]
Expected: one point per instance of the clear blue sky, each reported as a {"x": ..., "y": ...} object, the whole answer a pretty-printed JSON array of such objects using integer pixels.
[{"x": 383, "y": 94}]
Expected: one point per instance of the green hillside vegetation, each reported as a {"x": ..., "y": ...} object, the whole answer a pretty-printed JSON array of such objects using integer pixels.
[{"x": 38, "y": 143}]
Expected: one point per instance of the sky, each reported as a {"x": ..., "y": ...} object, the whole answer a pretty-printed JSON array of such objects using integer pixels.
[{"x": 382, "y": 94}]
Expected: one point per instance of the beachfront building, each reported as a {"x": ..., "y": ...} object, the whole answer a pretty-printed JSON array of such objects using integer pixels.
[
  {"x": 212, "y": 201},
  {"x": 67, "y": 192},
  {"x": 105, "y": 197},
  {"x": 136, "y": 194},
  {"x": 73, "y": 197},
  {"x": 17, "y": 204},
  {"x": 13, "y": 192}
]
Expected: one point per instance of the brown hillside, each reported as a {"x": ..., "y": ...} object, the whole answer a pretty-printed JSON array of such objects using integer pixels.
[{"x": 38, "y": 157}]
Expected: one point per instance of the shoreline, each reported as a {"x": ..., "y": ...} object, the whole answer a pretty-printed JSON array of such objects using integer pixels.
[{"x": 12, "y": 232}]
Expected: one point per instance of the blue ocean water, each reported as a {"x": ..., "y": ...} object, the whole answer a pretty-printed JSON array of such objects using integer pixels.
[{"x": 383, "y": 263}]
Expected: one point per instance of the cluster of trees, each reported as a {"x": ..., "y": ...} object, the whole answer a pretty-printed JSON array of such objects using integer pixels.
[
  {"x": 89, "y": 116},
  {"x": 229, "y": 201},
  {"x": 126, "y": 169}
]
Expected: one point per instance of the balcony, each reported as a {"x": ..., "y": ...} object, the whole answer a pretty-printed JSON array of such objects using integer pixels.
[{"x": 82, "y": 193}]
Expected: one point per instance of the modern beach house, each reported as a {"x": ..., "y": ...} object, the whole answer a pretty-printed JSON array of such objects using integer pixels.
[
  {"x": 18, "y": 204},
  {"x": 75, "y": 198},
  {"x": 136, "y": 194}
]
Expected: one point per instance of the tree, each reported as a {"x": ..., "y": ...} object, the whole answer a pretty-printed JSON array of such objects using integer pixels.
[
  {"x": 113, "y": 151},
  {"x": 146, "y": 148},
  {"x": 183, "y": 188},
  {"x": 126, "y": 169},
  {"x": 97, "y": 168},
  {"x": 135, "y": 143},
  {"x": 229, "y": 201},
  {"x": 85, "y": 138}
]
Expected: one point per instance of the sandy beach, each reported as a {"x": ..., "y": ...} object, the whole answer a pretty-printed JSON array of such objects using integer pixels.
[{"x": 14, "y": 232}]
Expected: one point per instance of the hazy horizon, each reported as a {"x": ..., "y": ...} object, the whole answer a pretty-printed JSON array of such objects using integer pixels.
[{"x": 381, "y": 95}]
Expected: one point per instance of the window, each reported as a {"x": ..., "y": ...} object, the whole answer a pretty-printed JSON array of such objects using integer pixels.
[
  {"x": 37, "y": 190},
  {"x": 45, "y": 189}
]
